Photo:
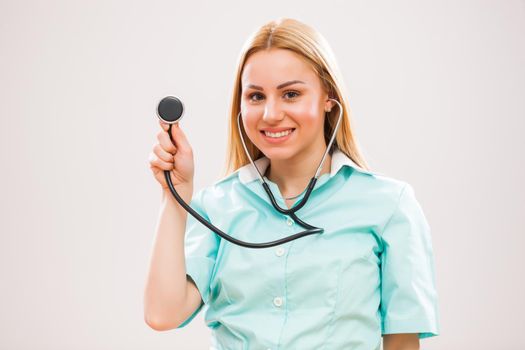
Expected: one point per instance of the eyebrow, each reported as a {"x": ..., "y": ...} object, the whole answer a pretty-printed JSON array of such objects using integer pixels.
[{"x": 256, "y": 87}]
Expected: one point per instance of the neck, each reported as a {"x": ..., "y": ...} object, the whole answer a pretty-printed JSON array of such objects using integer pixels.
[{"x": 293, "y": 175}]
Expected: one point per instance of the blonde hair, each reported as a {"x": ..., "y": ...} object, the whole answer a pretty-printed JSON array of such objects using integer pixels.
[{"x": 291, "y": 34}]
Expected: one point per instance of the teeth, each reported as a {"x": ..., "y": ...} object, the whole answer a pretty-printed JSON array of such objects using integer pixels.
[{"x": 279, "y": 134}]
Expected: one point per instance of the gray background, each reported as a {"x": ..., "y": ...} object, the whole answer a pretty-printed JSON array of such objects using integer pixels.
[{"x": 437, "y": 91}]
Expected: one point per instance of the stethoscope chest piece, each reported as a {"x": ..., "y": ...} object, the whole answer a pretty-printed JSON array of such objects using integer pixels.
[{"x": 170, "y": 110}]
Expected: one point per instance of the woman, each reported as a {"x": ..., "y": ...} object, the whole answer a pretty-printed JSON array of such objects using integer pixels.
[{"x": 368, "y": 276}]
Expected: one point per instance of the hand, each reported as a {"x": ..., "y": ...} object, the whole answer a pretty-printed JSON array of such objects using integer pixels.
[{"x": 176, "y": 158}]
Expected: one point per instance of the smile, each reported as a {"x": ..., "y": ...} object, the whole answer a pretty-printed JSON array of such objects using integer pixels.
[{"x": 278, "y": 136}]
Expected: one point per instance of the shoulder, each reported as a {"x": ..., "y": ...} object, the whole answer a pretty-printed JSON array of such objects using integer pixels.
[
  {"x": 377, "y": 185},
  {"x": 219, "y": 188},
  {"x": 379, "y": 194},
  {"x": 398, "y": 210}
]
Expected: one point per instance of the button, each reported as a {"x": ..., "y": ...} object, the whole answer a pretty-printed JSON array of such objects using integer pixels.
[
  {"x": 277, "y": 301},
  {"x": 289, "y": 222},
  {"x": 279, "y": 251}
]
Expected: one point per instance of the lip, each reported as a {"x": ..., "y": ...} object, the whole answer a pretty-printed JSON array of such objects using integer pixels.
[{"x": 280, "y": 139}]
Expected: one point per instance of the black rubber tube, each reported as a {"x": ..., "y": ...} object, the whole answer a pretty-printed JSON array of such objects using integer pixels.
[{"x": 291, "y": 212}]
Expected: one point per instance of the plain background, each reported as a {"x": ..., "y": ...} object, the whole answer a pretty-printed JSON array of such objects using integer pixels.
[{"x": 437, "y": 91}]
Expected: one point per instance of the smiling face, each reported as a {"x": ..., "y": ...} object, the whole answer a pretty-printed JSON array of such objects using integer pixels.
[{"x": 281, "y": 92}]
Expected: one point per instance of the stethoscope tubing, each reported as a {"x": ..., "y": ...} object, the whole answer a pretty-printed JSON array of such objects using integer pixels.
[{"x": 290, "y": 212}]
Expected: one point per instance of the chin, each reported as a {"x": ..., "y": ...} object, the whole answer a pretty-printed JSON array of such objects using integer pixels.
[{"x": 279, "y": 152}]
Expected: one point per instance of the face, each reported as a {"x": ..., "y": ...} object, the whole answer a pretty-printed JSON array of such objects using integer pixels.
[{"x": 283, "y": 95}]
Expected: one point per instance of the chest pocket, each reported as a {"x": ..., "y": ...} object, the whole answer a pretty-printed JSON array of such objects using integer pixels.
[{"x": 325, "y": 268}]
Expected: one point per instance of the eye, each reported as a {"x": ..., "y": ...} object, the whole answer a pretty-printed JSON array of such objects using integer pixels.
[
  {"x": 293, "y": 95},
  {"x": 252, "y": 95}
]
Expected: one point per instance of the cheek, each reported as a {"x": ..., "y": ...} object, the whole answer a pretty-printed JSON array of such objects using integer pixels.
[
  {"x": 308, "y": 117},
  {"x": 306, "y": 113},
  {"x": 250, "y": 125},
  {"x": 306, "y": 109}
]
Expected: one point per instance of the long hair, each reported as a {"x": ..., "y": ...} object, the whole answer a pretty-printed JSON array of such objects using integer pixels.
[{"x": 291, "y": 34}]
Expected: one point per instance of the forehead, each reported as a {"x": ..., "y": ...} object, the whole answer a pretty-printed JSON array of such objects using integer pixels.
[{"x": 275, "y": 66}]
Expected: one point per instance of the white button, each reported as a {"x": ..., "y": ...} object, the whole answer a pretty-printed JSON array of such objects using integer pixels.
[
  {"x": 279, "y": 251},
  {"x": 277, "y": 301},
  {"x": 289, "y": 222}
]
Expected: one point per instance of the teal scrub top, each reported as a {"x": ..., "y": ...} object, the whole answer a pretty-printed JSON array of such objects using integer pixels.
[{"x": 371, "y": 272}]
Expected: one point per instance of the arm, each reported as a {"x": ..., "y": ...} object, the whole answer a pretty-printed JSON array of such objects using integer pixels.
[
  {"x": 168, "y": 293},
  {"x": 407, "y": 341}
]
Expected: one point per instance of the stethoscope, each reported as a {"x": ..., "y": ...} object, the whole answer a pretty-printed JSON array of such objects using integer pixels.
[{"x": 170, "y": 110}]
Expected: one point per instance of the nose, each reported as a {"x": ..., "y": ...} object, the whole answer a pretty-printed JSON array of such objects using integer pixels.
[{"x": 272, "y": 112}]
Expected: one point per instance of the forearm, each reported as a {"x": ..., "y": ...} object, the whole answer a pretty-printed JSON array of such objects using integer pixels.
[
  {"x": 166, "y": 285},
  {"x": 408, "y": 341}
]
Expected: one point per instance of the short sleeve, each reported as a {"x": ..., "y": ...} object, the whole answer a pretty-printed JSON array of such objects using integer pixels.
[
  {"x": 200, "y": 248},
  {"x": 409, "y": 302}
]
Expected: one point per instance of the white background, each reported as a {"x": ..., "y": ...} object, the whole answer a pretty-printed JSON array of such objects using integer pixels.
[{"x": 437, "y": 91}]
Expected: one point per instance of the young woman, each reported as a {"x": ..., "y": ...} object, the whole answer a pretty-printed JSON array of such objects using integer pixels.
[{"x": 368, "y": 276}]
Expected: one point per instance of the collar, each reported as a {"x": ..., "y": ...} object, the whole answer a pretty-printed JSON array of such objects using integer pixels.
[{"x": 247, "y": 173}]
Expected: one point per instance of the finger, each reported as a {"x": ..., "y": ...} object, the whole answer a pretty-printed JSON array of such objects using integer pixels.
[
  {"x": 165, "y": 142},
  {"x": 159, "y": 163},
  {"x": 162, "y": 154},
  {"x": 163, "y": 125}
]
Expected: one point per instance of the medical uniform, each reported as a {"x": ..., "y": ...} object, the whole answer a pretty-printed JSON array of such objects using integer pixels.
[{"x": 371, "y": 271}]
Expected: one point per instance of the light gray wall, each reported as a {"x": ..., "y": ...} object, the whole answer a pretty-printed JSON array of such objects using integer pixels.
[{"x": 437, "y": 90}]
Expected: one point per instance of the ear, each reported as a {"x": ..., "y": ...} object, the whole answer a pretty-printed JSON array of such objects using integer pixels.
[{"x": 328, "y": 105}]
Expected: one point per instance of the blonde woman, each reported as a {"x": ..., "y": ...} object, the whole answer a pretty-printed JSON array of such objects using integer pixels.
[{"x": 369, "y": 276}]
